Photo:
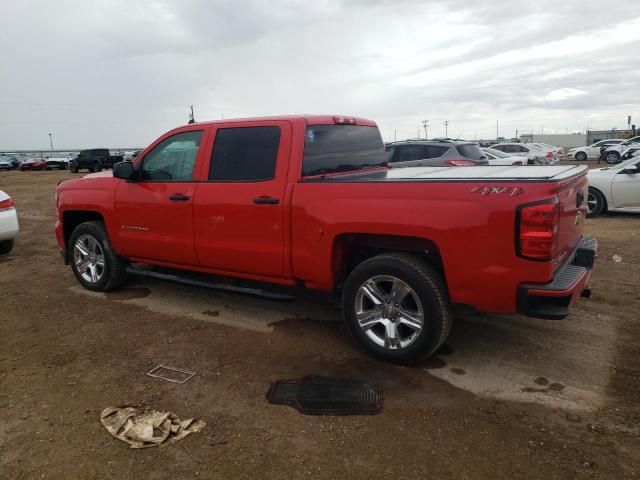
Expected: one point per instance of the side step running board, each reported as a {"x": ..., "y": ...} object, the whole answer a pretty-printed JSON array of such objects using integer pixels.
[{"x": 256, "y": 292}]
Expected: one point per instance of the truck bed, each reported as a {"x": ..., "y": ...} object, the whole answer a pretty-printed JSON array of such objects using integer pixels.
[{"x": 507, "y": 173}]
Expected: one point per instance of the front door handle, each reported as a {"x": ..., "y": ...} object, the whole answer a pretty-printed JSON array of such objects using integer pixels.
[
  {"x": 266, "y": 200},
  {"x": 178, "y": 197}
]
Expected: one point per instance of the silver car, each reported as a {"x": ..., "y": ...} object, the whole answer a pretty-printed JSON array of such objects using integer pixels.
[{"x": 434, "y": 153}]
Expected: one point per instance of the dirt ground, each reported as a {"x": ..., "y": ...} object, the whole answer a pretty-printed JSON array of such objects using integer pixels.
[{"x": 506, "y": 397}]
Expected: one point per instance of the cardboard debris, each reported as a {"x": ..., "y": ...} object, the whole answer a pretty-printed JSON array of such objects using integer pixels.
[{"x": 147, "y": 428}]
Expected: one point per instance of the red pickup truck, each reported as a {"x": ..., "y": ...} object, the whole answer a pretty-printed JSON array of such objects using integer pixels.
[{"x": 309, "y": 201}]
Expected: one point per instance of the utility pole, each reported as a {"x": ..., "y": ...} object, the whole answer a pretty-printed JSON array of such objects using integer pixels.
[
  {"x": 517, "y": 138},
  {"x": 191, "y": 117},
  {"x": 51, "y": 141},
  {"x": 497, "y": 132},
  {"x": 425, "y": 124},
  {"x": 446, "y": 129}
]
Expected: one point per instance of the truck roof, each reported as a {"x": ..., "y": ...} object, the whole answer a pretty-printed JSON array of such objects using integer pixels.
[{"x": 309, "y": 119}]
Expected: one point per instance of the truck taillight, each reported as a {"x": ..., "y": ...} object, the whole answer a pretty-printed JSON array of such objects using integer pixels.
[
  {"x": 344, "y": 120},
  {"x": 459, "y": 163},
  {"x": 6, "y": 204},
  {"x": 537, "y": 229}
]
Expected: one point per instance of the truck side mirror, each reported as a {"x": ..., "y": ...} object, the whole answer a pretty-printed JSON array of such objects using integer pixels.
[{"x": 123, "y": 170}]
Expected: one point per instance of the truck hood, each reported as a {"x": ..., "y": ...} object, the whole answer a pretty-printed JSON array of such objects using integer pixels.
[
  {"x": 484, "y": 172},
  {"x": 104, "y": 173}
]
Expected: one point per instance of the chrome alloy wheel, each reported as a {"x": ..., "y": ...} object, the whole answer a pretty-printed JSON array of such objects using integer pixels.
[
  {"x": 389, "y": 312},
  {"x": 89, "y": 258},
  {"x": 592, "y": 202}
]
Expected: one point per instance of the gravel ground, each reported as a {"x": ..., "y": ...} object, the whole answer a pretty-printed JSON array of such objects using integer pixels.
[{"x": 506, "y": 397}]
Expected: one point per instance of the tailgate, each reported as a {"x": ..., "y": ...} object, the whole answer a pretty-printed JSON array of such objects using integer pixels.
[{"x": 572, "y": 199}]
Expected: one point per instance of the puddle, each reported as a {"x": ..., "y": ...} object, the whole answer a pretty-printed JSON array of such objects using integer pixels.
[
  {"x": 236, "y": 310},
  {"x": 559, "y": 364}
]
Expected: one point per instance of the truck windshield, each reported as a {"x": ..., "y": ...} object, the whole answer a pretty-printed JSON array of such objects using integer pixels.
[{"x": 341, "y": 148}]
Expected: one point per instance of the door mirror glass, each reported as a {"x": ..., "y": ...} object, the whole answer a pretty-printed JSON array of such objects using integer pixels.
[{"x": 123, "y": 170}]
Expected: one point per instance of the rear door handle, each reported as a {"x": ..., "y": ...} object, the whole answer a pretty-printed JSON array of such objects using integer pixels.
[
  {"x": 266, "y": 200},
  {"x": 178, "y": 197}
]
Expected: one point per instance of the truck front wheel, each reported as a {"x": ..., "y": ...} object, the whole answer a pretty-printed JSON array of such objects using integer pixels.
[
  {"x": 93, "y": 261},
  {"x": 397, "y": 308}
]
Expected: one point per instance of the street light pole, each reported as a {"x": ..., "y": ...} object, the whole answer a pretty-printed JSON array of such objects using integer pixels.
[
  {"x": 446, "y": 129},
  {"x": 51, "y": 141}
]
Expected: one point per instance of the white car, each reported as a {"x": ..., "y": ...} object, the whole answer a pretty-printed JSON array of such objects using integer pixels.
[
  {"x": 613, "y": 153},
  {"x": 591, "y": 151},
  {"x": 558, "y": 151},
  {"x": 496, "y": 157},
  {"x": 614, "y": 189},
  {"x": 8, "y": 223},
  {"x": 535, "y": 155}
]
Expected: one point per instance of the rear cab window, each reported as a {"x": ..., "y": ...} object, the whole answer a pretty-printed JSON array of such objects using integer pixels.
[{"x": 342, "y": 148}]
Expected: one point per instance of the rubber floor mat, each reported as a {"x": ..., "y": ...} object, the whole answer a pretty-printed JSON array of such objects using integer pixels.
[{"x": 315, "y": 395}]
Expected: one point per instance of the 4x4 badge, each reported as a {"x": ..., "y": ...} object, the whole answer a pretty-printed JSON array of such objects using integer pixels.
[{"x": 487, "y": 190}]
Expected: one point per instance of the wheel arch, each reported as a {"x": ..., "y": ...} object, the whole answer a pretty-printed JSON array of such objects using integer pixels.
[
  {"x": 72, "y": 218},
  {"x": 351, "y": 249}
]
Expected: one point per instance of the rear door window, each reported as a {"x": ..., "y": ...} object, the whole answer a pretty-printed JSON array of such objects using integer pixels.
[
  {"x": 413, "y": 152},
  {"x": 245, "y": 154}
]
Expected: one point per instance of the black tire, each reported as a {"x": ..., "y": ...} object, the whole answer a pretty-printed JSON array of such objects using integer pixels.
[
  {"x": 96, "y": 167},
  {"x": 429, "y": 287},
  {"x": 114, "y": 272},
  {"x": 48, "y": 168},
  {"x": 612, "y": 157},
  {"x": 581, "y": 156},
  {"x": 73, "y": 168},
  {"x": 6, "y": 246},
  {"x": 596, "y": 203}
]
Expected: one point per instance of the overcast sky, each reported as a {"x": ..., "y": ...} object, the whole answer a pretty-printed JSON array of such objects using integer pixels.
[{"x": 120, "y": 73}]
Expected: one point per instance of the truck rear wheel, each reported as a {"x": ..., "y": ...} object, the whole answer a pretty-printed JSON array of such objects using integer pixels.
[
  {"x": 93, "y": 261},
  {"x": 397, "y": 308},
  {"x": 96, "y": 167}
]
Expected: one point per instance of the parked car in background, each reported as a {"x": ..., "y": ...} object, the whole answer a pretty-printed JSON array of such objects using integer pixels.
[
  {"x": 535, "y": 155},
  {"x": 434, "y": 153},
  {"x": 8, "y": 163},
  {"x": 614, "y": 189},
  {"x": 8, "y": 223},
  {"x": 629, "y": 153},
  {"x": 37, "y": 163},
  {"x": 591, "y": 151},
  {"x": 612, "y": 153},
  {"x": 61, "y": 163},
  {"x": 496, "y": 157},
  {"x": 558, "y": 151},
  {"x": 94, "y": 160}
]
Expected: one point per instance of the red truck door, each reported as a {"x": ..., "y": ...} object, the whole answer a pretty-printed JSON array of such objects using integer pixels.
[
  {"x": 154, "y": 214},
  {"x": 239, "y": 205}
]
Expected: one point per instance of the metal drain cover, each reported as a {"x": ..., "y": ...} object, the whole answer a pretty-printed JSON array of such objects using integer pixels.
[{"x": 317, "y": 395}]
